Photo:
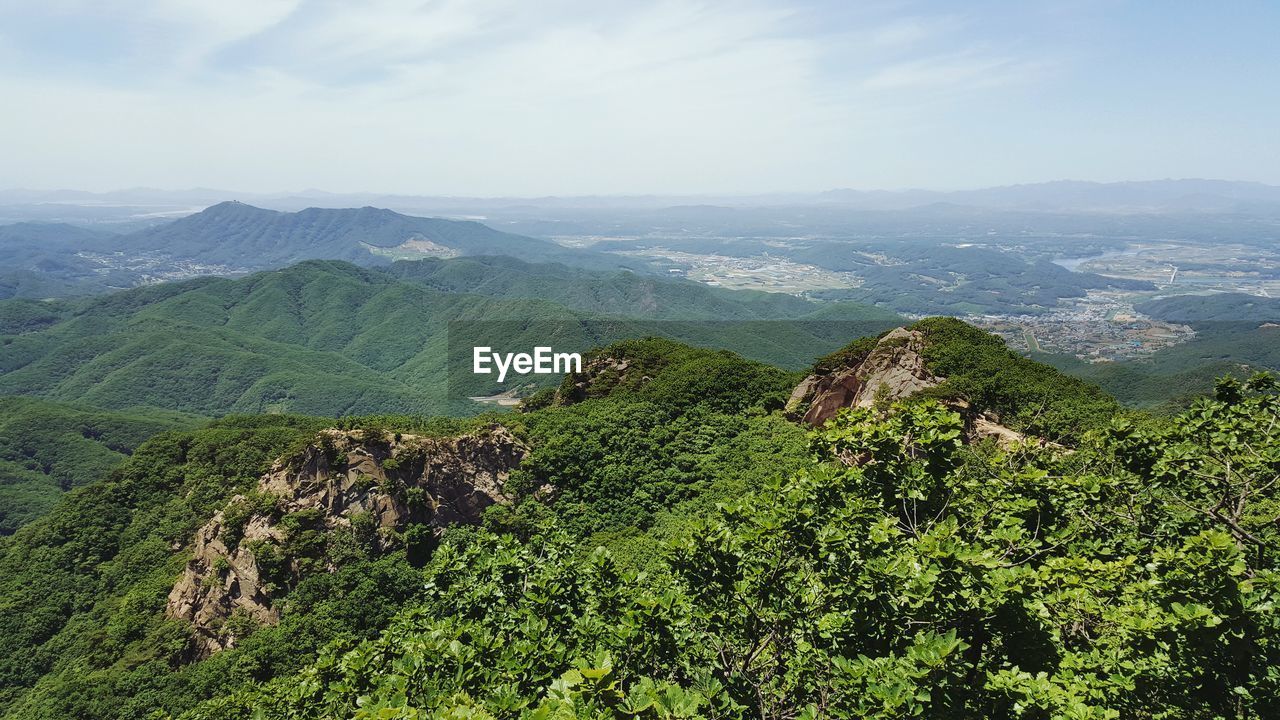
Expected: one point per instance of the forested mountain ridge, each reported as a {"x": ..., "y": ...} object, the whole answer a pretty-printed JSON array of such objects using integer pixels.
[
  {"x": 876, "y": 566},
  {"x": 1218, "y": 307},
  {"x": 47, "y": 448},
  {"x": 926, "y": 578},
  {"x": 969, "y": 370},
  {"x": 42, "y": 260},
  {"x": 242, "y": 236},
  {"x": 618, "y": 292},
  {"x": 115, "y": 548},
  {"x": 331, "y": 338}
]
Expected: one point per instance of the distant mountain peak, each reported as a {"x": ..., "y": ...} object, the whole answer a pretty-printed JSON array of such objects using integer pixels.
[
  {"x": 234, "y": 207},
  {"x": 238, "y": 236}
]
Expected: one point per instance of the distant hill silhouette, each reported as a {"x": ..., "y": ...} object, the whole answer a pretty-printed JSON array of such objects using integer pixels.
[
  {"x": 241, "y": 235},
  {"x": 39, "y": 260}
]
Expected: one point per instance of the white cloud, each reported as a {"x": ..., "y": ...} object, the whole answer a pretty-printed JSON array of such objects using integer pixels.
[
  {"x": 949, "y": 72},
  {"x": 908, "y": 32},
  {"x": 486, "y": 96},
  {"x": 220, "y": 20}
]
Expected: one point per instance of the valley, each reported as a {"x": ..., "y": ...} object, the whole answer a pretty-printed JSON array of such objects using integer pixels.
[
  {"x": 249, "y": 422},
  {"x": 1090, "y": 317},
  {"x": 1050, "y": 283}
]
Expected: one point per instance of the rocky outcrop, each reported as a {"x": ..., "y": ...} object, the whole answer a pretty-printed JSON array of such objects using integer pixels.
[
  {"x": 600, "y": 376},
  {"x": 982, "y": 427},
  {"x": 894, "y": 369},
  {"x": 352, "y": 481}
]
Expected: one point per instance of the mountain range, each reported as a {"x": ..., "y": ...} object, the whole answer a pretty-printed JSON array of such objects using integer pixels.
[
  {"x": 332, "y": 338},
  {"x": 228, "y": 238},
  {"x": 246, "y": 237},
  {"x": 668, "y": 534},
  {"x": 1147, "y": 196}
]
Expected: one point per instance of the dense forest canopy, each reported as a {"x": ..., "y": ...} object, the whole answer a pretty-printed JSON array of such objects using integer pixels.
[
  {"x": 331, "y": 338},
  {"x": 47, "y": 448},
  {"x": 675, "y": 546}
]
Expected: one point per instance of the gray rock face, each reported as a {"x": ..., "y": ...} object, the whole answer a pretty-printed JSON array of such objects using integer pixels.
[
  {"x": 893, "y": 370},
  {"x": 392, "y": 483}
]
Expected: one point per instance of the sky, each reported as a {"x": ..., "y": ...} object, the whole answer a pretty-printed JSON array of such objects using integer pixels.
[{"x": 584, "y": 97}]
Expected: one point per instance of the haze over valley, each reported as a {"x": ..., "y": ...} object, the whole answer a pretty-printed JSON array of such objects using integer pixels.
[{"x": 1068, "y": 270}]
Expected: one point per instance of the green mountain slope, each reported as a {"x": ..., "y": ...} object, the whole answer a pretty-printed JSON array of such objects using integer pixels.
[
  {"x": 107, "y": 551},
  {"x": 930, "y": 579},
  {"x": 1026, "y": 395},
  {"x": 671, "y": 547},
  {"x": 330, "y": 338},
  {"x": 47, "y": 448},
  {"x": 1220, "y": 307},
  {"x": 43, "y": 260},
  {"x": 322, "y": 338},
  {"x": 614, "y": 293},
  {"x": 92, "y": 638}
]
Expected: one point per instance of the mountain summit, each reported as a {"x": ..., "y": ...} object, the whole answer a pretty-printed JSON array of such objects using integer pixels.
[{"x": 242, "y": 236}]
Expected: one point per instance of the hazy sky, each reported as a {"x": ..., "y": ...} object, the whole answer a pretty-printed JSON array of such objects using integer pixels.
[{"x": 532, "y": 97}]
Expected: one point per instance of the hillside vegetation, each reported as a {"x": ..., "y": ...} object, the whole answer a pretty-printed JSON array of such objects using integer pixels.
[
  {"x": 614, "y": 293},
  {"x": 90, "y": 639},
  {"x": 40, "y": 260},
  {"x": 933, "y": 580},
  {"x": 673, "y": 547},
  {"x": 47, "y": 448},
  {"x": 977, "y": 369},
  {"x": 331, "y": 338}
]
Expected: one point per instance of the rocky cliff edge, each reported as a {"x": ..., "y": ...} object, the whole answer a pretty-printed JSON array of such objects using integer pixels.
[
  {"x": 894, "y": 369},
  {"x": 382, "y": 483}
]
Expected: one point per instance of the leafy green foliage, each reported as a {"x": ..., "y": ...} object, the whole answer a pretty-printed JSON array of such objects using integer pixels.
[
  {"x": 329, "y": 338},
  {"x": 1134, "y": 577},
  {"x": 621, "y": 464},
  {"x": 48, "y": 448},
  {"x": 619, "y": 467},
  {"x": 877, "y": 567},
  {"x": 84, "y": 586},
  {"x": 677, "y": 376},
  {"x": 1026, "y": 395}
]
